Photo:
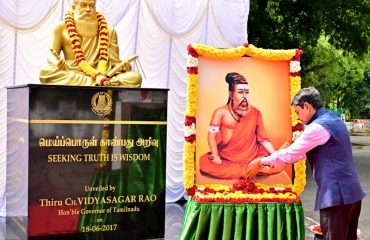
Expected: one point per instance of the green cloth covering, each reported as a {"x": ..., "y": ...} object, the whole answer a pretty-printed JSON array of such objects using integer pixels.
[{"x": 250, "y": 221}]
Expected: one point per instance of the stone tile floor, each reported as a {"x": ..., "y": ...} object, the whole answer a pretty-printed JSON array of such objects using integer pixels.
[{"x": 175, "y": 211}]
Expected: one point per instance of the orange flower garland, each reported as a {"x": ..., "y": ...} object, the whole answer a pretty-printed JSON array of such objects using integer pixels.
[
  {"x": 225, "y": 193},
  {"x": 76, "y": 45}
]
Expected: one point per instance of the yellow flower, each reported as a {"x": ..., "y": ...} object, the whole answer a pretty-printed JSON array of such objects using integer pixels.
[
  {"x": 191, "y": 110},
  {"x": 76, "y": 46}
]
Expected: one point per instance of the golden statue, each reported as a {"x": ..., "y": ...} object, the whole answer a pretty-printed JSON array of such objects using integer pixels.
[{"x": 90, "y": 50}]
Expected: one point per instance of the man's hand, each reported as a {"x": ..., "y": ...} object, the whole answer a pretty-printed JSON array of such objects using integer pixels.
[
  {"x": 62, "y": 65},
  {"x": 253, "y": 168},
  {"x": 60, "y": 62},
  {"x": 215, "y": 159},
  {"x": 126, "y": 66},
  {"x": 284, "y": 145}
]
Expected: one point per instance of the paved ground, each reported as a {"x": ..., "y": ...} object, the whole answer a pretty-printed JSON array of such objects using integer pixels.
[
  {"x": 361, "y": 141},
  {"x": 175, "y": 212}
]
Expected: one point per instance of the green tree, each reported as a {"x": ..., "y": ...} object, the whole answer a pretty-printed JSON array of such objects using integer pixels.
[
  {"x": 300, "y": 23},
  {"x": 335, "y": 38}
]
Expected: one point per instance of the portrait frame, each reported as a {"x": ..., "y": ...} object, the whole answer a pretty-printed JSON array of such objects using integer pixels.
[{"x": 226, "y": 191}]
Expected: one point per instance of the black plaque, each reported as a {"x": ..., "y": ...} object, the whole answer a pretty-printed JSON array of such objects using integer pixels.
[{"x": 87, "y": 161}]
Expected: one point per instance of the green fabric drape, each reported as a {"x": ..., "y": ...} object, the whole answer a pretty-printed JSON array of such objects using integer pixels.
[{"x": 249, "y": 221}]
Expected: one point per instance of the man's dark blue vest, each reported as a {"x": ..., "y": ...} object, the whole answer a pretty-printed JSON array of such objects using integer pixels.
[{"x": 332, "y": 164}]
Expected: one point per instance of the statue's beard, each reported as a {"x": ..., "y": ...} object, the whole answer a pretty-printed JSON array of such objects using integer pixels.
[
  {"x": 87, "y": 27},
  {"x": 240, "y": 108}
]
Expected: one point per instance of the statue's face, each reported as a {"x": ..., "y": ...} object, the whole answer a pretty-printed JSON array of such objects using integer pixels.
[
  {"x": 240, "y": 96},
  {"x": 84, "y": 9}
]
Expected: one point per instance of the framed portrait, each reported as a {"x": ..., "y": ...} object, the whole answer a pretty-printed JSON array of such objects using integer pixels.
[{"x": 238, "y": 99}]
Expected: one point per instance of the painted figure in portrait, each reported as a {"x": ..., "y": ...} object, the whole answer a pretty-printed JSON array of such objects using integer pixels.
[{"x": 236, "y": 135}]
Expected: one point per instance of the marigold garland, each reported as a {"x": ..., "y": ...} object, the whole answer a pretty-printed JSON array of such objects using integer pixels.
[
  {"x": 224, "y": 193},
  {"x": 76, "y": 45}
]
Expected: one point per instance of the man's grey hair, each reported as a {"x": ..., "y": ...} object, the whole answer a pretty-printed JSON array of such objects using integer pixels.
[{"x": 309, "y": 95}]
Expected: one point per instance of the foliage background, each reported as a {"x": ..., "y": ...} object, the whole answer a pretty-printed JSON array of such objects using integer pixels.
[{"x": 334, "y": 36}]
